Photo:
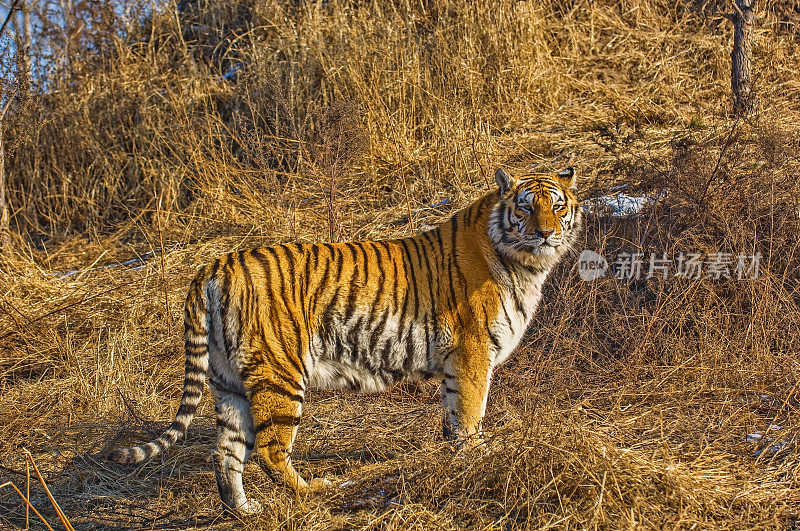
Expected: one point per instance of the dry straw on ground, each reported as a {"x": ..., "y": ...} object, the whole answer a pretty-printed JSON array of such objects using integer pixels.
[{"x": 630, "y": 404}]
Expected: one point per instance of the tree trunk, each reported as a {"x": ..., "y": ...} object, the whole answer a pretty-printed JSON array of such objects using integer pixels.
[
  {"x": 28, "y": 29},
  {"x": 22, "y": 42},
  {"x": 70, "y": 32},
  {"x": 741, "y": 56},
  {"x": 5, "y": 229}
]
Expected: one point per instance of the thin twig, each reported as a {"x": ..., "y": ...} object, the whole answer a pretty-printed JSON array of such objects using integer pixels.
[
  {"x": 408, "y": 204},
  {"x": 61, "y": 516},
  {"x": 20, "y": 328},
  {"x": 62, "y": 308},
  {"x": 480, "y": 166},
  {"x": 728, "y": 143},
  {"x": 27, "y": 493},
  {"x": 775, "y": 418},
  {"x": 130, "y": 407},
  {"x": 8, "y": 17},
  {"x": 12, "y": 470},
  {"x": 163, "y": 268},
  {"x": 28, "y": 505}
]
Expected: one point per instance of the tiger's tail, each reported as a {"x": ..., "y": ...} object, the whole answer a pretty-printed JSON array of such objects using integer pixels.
[{"x": 196, "y": 339}]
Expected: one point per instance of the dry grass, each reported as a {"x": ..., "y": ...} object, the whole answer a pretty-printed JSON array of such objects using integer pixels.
[{"x": 628, "y": 405}]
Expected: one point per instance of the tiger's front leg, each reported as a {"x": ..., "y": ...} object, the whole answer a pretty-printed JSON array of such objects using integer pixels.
[{"x": 465, "y": 388}]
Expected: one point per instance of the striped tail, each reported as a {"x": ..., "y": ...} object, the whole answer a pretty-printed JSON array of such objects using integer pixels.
[{"x": 196, "y": 338}]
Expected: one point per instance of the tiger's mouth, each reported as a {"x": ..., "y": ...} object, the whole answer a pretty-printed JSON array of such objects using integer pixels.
[
  {"x": 524, "y": 241},
  {"x": 537, "y": 245}
]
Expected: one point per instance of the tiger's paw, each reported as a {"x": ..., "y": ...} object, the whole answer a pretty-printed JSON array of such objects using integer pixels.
[
  {"x": 249, "y": 508},
  {"x": 468, "y": 443},
  {"x": 318, "y": 485}
]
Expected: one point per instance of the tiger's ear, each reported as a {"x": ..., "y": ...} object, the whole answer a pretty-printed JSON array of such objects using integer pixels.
[
  {"x": 504, "y": 180},
  {"x": 567, "y": 178}
]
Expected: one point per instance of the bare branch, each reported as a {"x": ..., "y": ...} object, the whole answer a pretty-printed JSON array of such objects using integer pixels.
[{"x": 8, "y": 17}]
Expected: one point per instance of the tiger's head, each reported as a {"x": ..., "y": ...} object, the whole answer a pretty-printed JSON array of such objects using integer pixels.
[{"x": 537, "y": 217}]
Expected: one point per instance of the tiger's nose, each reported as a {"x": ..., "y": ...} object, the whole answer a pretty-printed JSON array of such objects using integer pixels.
[{"x": 544, "y": 233}]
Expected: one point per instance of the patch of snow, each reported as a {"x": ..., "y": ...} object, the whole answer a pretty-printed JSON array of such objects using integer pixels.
[
  {"x": 141, "y": 261},
  {"x": 618, "y": 205},
  {"x": 753, "y": 437},
  {"x": 772, "y": 446},
  {"x": 371, "y": 499},
  {"x": 233, "y": 72}
]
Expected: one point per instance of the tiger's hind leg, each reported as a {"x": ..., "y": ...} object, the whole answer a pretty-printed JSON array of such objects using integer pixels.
[
  {"x": 235, "y": 442},
  {"x": 276, "y": 413}
]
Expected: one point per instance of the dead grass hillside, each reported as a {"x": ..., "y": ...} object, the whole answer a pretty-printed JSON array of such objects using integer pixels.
[{"x": 214, "y": 126}]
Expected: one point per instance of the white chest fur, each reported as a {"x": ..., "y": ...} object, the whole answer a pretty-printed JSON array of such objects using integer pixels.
[{"x": 518, "y": 304}]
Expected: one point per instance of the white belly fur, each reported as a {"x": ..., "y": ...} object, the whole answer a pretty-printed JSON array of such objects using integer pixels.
[{"x": 330, "y": 374}]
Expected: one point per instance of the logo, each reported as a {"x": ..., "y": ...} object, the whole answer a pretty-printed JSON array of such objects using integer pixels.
[
  {"x": 694, "y": 266},
  {"x": 591, "y": 265}
]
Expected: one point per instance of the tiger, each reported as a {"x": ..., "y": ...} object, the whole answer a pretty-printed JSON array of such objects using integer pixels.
[{"x": 266, "y": 325}]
